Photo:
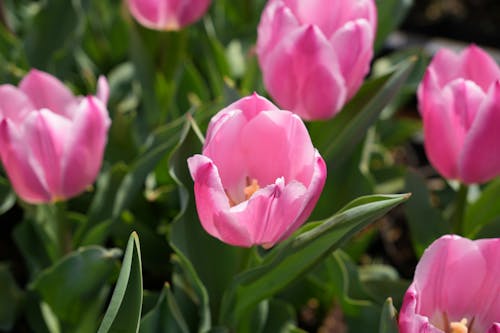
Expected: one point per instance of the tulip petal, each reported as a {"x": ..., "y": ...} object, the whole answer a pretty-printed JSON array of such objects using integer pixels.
[
  {"x": 277, "y": 22},
  {"x": 277, "y": 144},
  {"x": 354, "y": 60},
  {"x": 330, "y": 17},
  {"x": 447, "y": 116},
  {"x": 303, "y": 75},
  {"x": 24, "y": 173},
  {"x": 222, "y": 138},
  {"x": 103, "y": 90},
  {"x": 487, "y": 299},
  {"x": 480, "y": 161},
  {"x": 47, "y": 92},
  {"x": 495, "y": 328},
  {"x": 209, "y": 192},
  {"x": 14, "y": 104},
  {"x": 84, "y": 148},
  {"x": 479, "y": 67},
  {"x": 471, "y": 64},
  {"x": 410, "y": 321},
  {"x": 443, "y": 271},
  {"x": 167, "y": 15},
  {"x": 46, "y": 133}
]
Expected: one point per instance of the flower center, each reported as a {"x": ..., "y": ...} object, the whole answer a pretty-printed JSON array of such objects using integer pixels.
[
  {"x": 459, "y": 327},
  {"x": 251, "y": 188}
]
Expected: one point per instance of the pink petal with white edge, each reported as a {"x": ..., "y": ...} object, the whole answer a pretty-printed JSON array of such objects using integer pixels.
[
  {"x": 209, "y": 192},
  {"x": 480, "y": 160},
  {"x": 264, "y": 217},
  {"x": 103, "y": 90},
  {"x": 84, "y": 148},
  {"x": 14, "y": 104},
  {"x": 23, "y": 171},
  {"x": 313, "y": 193},
  {"x": 46, "y": 91},
  {"x": 495, "y": 328},
  {"x": 444, "y": 281},
  {"x": 46, "y": 133},
  {"x": 410, "y": 321},
  {"x": 353, "y": 44}
]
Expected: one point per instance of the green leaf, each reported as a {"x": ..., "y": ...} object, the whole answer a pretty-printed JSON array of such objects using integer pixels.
[
  {"x": 425, "y": 221},
  {"x": 165, "y": 316},
  {"x": 388, "y": 319},
  {"x": 52, "y": 34},
  {"x": 10, "y": 299},
  {"x": 390, "y": 15},
  {"x": 73, "y": 284},
  {"x": 7, "y": 196},
  {"x": 159, "y": 144},
  {"x": 484, "y": 210},
  {"x": 337, "y": 138},
  {"x": 296, "y": 256},
  {"x": 124, "y": 310}
]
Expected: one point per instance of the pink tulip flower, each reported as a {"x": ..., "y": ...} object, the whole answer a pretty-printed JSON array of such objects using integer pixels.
[
  {"x": 459, "y": 101},
  {"x": 51, "y": 142},
  {"x": 456, "y": 288},
  {"x": 315, "y": 54},
  {"x": 259, "y": 177},
  {"x": 167, "y": 14}
]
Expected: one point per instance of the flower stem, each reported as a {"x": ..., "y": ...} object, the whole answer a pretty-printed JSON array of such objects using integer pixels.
[{"x": 458, "y": 214}]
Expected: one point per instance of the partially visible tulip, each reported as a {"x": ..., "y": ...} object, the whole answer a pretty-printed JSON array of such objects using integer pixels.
[
  {"x": 459, "y": 101},
  {"x": 456, "y": 288},
  {"x": 315, "y": 54},
  {"x": 51, "y": 142},
  {"x": 259, "y": 177},
  {"x": 167, "y": 14}
]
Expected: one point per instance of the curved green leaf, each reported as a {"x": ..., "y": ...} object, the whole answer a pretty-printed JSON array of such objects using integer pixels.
[
  {"x": 124, "y": 310},
  {"x": 295, "y": 257}
]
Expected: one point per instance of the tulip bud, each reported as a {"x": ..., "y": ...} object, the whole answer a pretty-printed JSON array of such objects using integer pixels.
[
  {"x": 459, "y": 101},
  {"x": 167, "y": 14},
  {"x": 455, "y": 288},
  {"x": 51, "y": 142},
  {"x": 259, "y": 176},
  {"x": 315, "y": 54}
]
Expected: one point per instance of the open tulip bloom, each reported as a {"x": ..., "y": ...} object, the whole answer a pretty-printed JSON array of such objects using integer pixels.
[
  {"x": 315, "y": 54},
  {"x": 459, "y": 100},
  {"x": 456, "y": 288},
  {"x": 167, "y": 14},
  {"x": 51, "y": 142},
  {"x": 259, "y": 177}
]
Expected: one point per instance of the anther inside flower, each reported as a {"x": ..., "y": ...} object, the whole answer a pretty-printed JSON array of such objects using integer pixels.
[
  {"x": 460, "y": 327},
  {"x": 259, "y": 176}
]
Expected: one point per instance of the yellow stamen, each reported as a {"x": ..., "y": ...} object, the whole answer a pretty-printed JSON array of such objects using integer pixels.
[
  {"x": 251, "y": 188},
  {"x": 459, "y": 327}
]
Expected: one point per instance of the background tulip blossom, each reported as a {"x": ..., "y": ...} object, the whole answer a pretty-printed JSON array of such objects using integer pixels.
[
  {"x": 459, "y": 100},
  {"x": 314, "y": 54},
  {"x": 167, "y": 14},
  {"x": 51, "y": 142},
  {"x": 456, "y": 288},
  {"x": 259, "y": 176}
]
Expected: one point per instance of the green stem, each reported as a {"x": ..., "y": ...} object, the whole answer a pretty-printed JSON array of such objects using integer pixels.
[{"x": 458, "y": 214}]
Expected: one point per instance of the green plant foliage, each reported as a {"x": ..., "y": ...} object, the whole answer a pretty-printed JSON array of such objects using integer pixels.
[{"x": 124, "y": 310}]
